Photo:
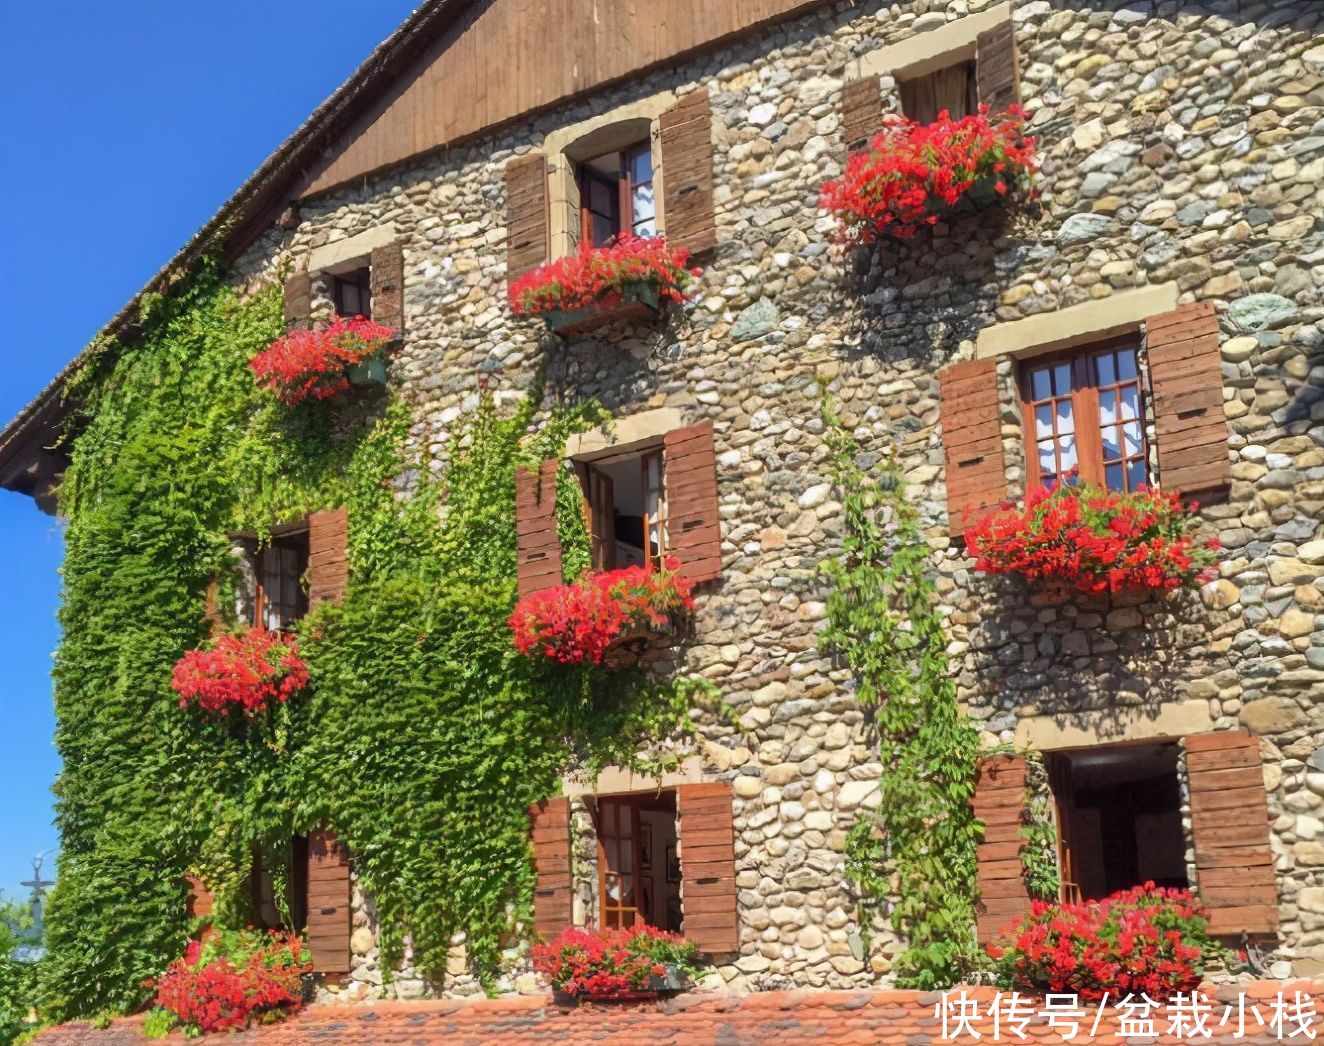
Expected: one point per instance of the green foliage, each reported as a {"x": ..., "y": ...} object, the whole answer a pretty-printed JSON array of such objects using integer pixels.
[
  {"x": 1039, "y": 852},
  {"x": 158, "y": 1023},
  {"x": 917, "y": 848},
  {"x": 17, "y": 980},
  {"x": 424, "y": 736}
]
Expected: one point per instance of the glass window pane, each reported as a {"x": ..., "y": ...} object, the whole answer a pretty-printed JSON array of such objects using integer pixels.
[
  {"x": 641, "y": 202},
  {"x": 1047, "y": 461},
  {"x": 1067, "y": 456},
  {"x": 599, "y": 197},
  {"x": 603, "y": 230},
  {"x": 1130, "y": 402},
  {"x": 1041, "y": 385},
  {"x": 1131, "y": 436},
  {"x": 1043, "y": 422},
  {"x": 1107, "y": 372},
  {"x": 1112, "y": 476},
  {"x": 1108, "y": 408},
  {"x": 1065, "y": 421},
  {"x": 641, "y": 165},
  {"x": 1062, "y": 378},
  {"x": 1110, "y": 447},
  {"x": 1135, "y": 471},
  {"x": 1126, "y": 365}
]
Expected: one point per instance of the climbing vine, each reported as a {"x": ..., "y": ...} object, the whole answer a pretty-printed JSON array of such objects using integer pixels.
[
  {"x": 1039, "y": 832},
  {"x": 914, "y": 854},
  {"x": 423, "y": 736}
]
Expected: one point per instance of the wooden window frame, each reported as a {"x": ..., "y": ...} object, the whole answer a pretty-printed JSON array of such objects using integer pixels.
[
  {"x": 349, "y": 278},
  {"x": 1084, "y": 398},
  {"x": 624, "y": 186},
  {"x": 260, "y": 598},
  {"x": 594, "y": 511},
  {"x": 666, "y": 801}
]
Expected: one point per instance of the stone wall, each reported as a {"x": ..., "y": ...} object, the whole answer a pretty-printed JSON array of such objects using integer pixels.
[{"x": 1183, "y": 146}]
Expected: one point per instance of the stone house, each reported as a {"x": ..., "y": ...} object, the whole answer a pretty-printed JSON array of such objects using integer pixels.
[{"x": 1172, "y": 266}]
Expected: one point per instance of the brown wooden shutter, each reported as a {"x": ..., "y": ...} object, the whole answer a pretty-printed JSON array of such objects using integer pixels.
[
  {"x": 387, "y": 278},
  {"x": 602, "y": 522},
  {"x": 694, "y": 524},
  {"x": 526, "y": 214},
  {"x": 553, "y": 892},
  {"x": 687, "y": 173},
  {"x": 298, "y": 301},
  {"x": 861, "y": 111},
  {"x": 538, "y": 549},
  {"x": 972, "y": 438},
  {"x": 1230, "y": 830},
  {"x": 708, "y": 866},
  {"x": 1185, "y": 371},
  {"x": 328, "y": 555},
  {"x": 996, "y": 70},
  {"x": 999, "y": 802},
  {"x": 201, "y": 901},
  {"x": 329, "y": 915}
]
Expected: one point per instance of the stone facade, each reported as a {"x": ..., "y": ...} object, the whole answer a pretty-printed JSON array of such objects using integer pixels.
[{"x": 1183, "y": 148}]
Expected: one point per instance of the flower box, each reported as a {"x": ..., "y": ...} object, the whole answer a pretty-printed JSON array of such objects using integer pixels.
[
  {"x": 616, "y": 965},
  {"x": 320, "y": 364},
  {"x": 1094, "y": 541},
  {"x": 630, "y": 279},
  {"x": 912, "y": 175},
  {"x": 247, "y": 672},
  {"x": 582, "y": 622}
]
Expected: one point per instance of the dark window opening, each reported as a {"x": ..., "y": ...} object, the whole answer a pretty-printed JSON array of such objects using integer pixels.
[
  {"x": 352, "y": 293},
  {"x": 616, "y": 195},
  {"x": 278, "y": 888},
  {"x": 1118, "y": 818},
  {"x": 272, "y": 594},
  {"x": 627, "y": 509},
  {"x": 953, "y": 88},
  {"x": 1084, "y": 418},
  {"x": 638, "y": 862}
]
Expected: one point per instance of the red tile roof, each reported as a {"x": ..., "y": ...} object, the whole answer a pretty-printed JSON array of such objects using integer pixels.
[{"x": 770, "y": 1019}]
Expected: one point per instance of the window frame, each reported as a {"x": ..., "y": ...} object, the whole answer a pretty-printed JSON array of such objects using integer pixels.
[
  {"x": 588, "y": 469},
  {"x": 970, "y": 102},
  {"x": 623, "y": 216},
  {"x": 255, "y": 553},
  {"x": 643, "y": 912},
  {"x": 349, "y": 277},
  {"x": 1085, "y": 407}
]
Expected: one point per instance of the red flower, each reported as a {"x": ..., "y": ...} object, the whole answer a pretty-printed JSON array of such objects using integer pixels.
[
  {"x": 575, "y": 624},
  {"x": 613, "y": 962},
  {"x": 599, "y": 277},
  {"x": 311, "y": 364},
  {"x": 246, "y": 671},
  {"x": 891, "y": 187}
]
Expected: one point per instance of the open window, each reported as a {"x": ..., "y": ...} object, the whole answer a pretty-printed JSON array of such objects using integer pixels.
[
  {"x": 1118, "y": 818},
  {"x": 616, "y": 195},
  {"x": 638, "y": 862},
  {"x": 272, "y": 593},
  {"x": 627, "y": 508},
  {"x": 1083, "y": 414},
  {"x": 278, "y": 888},
  {"x": 351, "y": 291},
  {"x": 953, "y": 87}
]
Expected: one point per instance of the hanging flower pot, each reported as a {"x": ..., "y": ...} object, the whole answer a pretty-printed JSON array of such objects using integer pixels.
[
  {"x": 632, "y": 279},
  {"x": 582, "y": 622},
  {"x": 319, "y": 364},
  {"x": 913, "y": 175},
  {"x": 1094, "y": 541}
]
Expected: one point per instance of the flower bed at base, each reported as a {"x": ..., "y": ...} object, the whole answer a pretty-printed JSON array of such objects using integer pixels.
[
  {"x": 911, "y": 171},
  {"x": 246, "y": 671},
  {"x": 614, "y": 964},
  {"x": 316, "y": 364},
  {"x": 578, "y": 623},
  {"x": 1146, "y": 940},
  {"x": 1096, "y": 541}
]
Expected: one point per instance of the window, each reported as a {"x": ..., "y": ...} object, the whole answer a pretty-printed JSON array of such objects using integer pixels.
[
  {"x": 953, "y": 88},
  {"x": 1118, "y": 818},
  {"x": 616, "y": 195},
  {"x": 638, "y": 864},
  {"x": 278, "y": 888},
  {"x": 352, "y": 292},
  {"x": 272, "y": 593},
  {"x": 1083, "y": 418},
  {"x": 627, "y": 509}
]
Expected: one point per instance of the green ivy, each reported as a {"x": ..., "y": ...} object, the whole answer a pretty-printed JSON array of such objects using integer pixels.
[
  {"x": 1039, "y": 832},
  {"x": 914, "y": 854},
  {"x": 424, "y": 736}
]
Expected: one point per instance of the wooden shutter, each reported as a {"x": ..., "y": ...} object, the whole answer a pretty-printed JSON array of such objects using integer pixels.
[
  {"x": 861, "y": 111},
  {"x": 996, "y": 74},
  {"x": 538, "y": 549},
  {"x": 526, "y": 214},
  {"x": 972, "y": 437},
  {"x": 1186, "y": 377},
  {"x": 1230, "y": 830},
  {"x": 201, "y": 901},
  {"x": 329, "y": 915},
  {"x": 298, "y": 301},
  {"x": 1000, "y": 803},
  {"x": 708, "y": 866},
  {"x": 553, "y": 894},
  {"x": 328, "y": 555},
  {"x": 694, "y": 525},
  {"x": 687, "y": 173},
  {"x": 387, "y": 278},
  {"x": 602, "y": 522}
]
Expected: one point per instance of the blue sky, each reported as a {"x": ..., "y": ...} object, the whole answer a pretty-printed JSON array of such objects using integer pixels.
[{"x": 126, "y": 125}]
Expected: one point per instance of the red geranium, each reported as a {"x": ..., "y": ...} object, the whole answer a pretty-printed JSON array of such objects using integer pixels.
[
  {"x": 1147, "y": 939},
  {"x": 246, "y": 671},
  {"x": 894, "y": 186},
  {"x": 575, "y": 624},
  {"x": 228, "y": 980},
  {"x": 609, "y": 963},
  {"x": 311, "y": 364},
  {"x": 601, "y": 277},
  {"x": 1096, "y": 541}
]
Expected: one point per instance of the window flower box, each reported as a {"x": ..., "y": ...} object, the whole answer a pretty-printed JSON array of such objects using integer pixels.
[
  {"x": 630, "y": 279},
  {"x": 248, "y": 672},
  {"x": 912, "y": 175},
  {"x": 319, "y": 364},
  {"x": 616, "y": 965},
  {"x": 1095, "y": 541},
  {"x": 580, "y": 623}
]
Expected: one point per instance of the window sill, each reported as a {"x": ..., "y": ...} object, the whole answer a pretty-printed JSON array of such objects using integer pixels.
[{"x": 642, "y": 305}]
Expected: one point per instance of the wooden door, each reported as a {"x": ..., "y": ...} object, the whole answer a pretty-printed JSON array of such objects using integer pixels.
[
  {"x": 619, "y": 895},
  {"x": 1059, "y": 782}
]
